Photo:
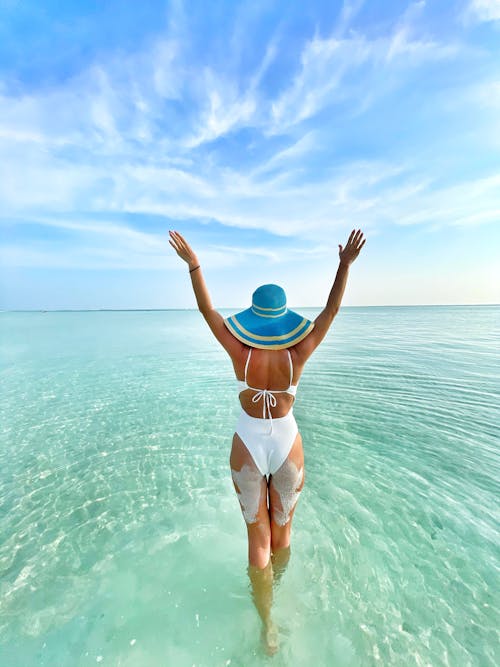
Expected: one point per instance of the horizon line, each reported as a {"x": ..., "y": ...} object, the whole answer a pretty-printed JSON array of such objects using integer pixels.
[{"x": 91, "y": 310}]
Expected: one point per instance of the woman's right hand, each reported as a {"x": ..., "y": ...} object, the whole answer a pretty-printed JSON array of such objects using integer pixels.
[
  {"x": 354, "y": 244},
  {"x": 183, "y": 249}
]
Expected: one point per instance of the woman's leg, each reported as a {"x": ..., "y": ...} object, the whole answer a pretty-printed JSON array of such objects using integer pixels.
[
  {"x": 251, "y": 488},
  {"x": 284, "y": 490},
  {"x": 279, "y": 559}
]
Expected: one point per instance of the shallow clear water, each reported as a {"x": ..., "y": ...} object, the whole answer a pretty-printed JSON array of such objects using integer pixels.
[{"x": 122, "y": 541}]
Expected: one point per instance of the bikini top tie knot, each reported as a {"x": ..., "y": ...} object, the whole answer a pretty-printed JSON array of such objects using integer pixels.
[{"x": 269, "y": 401}]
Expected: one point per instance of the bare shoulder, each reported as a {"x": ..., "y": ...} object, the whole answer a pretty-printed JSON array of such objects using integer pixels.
[
  {"x": 239, "y": 354},
  {"x": 302, "y": 351},
  {"x": 299, "y": 357},
  {"x": 307, "y": 345}
]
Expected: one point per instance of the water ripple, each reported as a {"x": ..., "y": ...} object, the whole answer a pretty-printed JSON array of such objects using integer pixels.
[{"x": 122, "y": 536}]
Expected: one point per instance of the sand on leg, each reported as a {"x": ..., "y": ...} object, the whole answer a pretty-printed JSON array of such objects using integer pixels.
[
  {"x": 285, "y": 487},
  {"x": 251, "y": 488}
]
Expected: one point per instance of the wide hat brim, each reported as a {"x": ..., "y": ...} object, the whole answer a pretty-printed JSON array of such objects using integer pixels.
[{"x": 269, "y": 333}]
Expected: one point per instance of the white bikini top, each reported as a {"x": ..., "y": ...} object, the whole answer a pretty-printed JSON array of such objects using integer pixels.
[{"x": 269, "y": 399}]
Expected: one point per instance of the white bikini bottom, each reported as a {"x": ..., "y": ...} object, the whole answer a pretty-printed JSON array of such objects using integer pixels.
[{"x": 268, "y": 441}]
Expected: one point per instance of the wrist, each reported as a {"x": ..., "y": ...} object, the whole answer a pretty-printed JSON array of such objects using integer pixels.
[
  {"x": 192, "y": 263},
  {"x": 345, "y": 264}
]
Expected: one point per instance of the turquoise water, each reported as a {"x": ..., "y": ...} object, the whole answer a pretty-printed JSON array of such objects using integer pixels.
[{"x": 122, "y": 541}]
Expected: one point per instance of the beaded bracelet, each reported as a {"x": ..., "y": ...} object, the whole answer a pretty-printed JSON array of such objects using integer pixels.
[{"x": 196, "y": 267}]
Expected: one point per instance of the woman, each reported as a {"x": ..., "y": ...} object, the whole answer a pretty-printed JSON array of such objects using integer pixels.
[{"x": 268, "y": 344}]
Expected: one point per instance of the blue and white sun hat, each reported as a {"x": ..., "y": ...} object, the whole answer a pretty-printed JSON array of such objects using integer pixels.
[{"x": 268, "y": 324}]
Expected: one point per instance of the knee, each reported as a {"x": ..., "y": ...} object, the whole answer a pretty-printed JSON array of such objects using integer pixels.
[
  {"x": 259, "y": 546},
  {"x": 259, "y": 556},
  {"x": 280, "y": 537}
]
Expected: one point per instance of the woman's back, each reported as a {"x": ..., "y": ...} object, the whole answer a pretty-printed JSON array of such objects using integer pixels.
[{"x": 275, "y": 371}]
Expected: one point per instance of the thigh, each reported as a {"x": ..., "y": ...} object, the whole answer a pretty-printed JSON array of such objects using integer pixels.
[
  {"x": 250, "y": 485},
  {"x": 286, "y": 484}
]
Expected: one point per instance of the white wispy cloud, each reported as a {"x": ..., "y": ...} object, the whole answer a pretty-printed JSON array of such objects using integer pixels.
[
  {"x": 134, "y": 134},
  {"x": 102, "y": 245},
  {"x": 486, "y": 94},
  {"x": 224, "y": 110},
  {"x": 301, "y": 148},
  {"x": 328, "y": 64},
  {"x": 483, "y": 10},
  {"x": 324, "y": 62},
  {"x": 469, "y": 202},
  {"x": 94, "y": 257},
  {"x": 349, "y": 10}
]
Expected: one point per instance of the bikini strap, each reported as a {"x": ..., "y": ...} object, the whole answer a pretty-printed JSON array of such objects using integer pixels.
[
  {"x": 291, "y": 367},
  {"x": 246, "y": 365}
]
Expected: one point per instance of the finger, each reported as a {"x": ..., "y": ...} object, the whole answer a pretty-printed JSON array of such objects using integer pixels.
[
  {"x": 360, "y": 238},
  {"x": 364, "y": 241},
  {"x": 358, "y": 248},
  {"x": 350, "y": 236},
  {"x": 173, "y": 245},
  {"x": 178, "y": 239},
  {"x": 174, "y": 239},
  {"x": 352, "y": 239},
  {"x": 182, "y": 241}
]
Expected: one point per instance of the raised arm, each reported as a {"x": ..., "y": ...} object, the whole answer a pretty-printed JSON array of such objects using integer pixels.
[
  {"x": 214, "y": 319},
  {"x": 324, "y": 320}
]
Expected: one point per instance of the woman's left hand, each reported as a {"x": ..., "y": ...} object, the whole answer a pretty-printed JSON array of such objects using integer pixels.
[{"x": 183, "y": 249}]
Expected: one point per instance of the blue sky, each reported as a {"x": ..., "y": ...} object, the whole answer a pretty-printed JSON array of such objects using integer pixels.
[{"x": 264, "y": 132}]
